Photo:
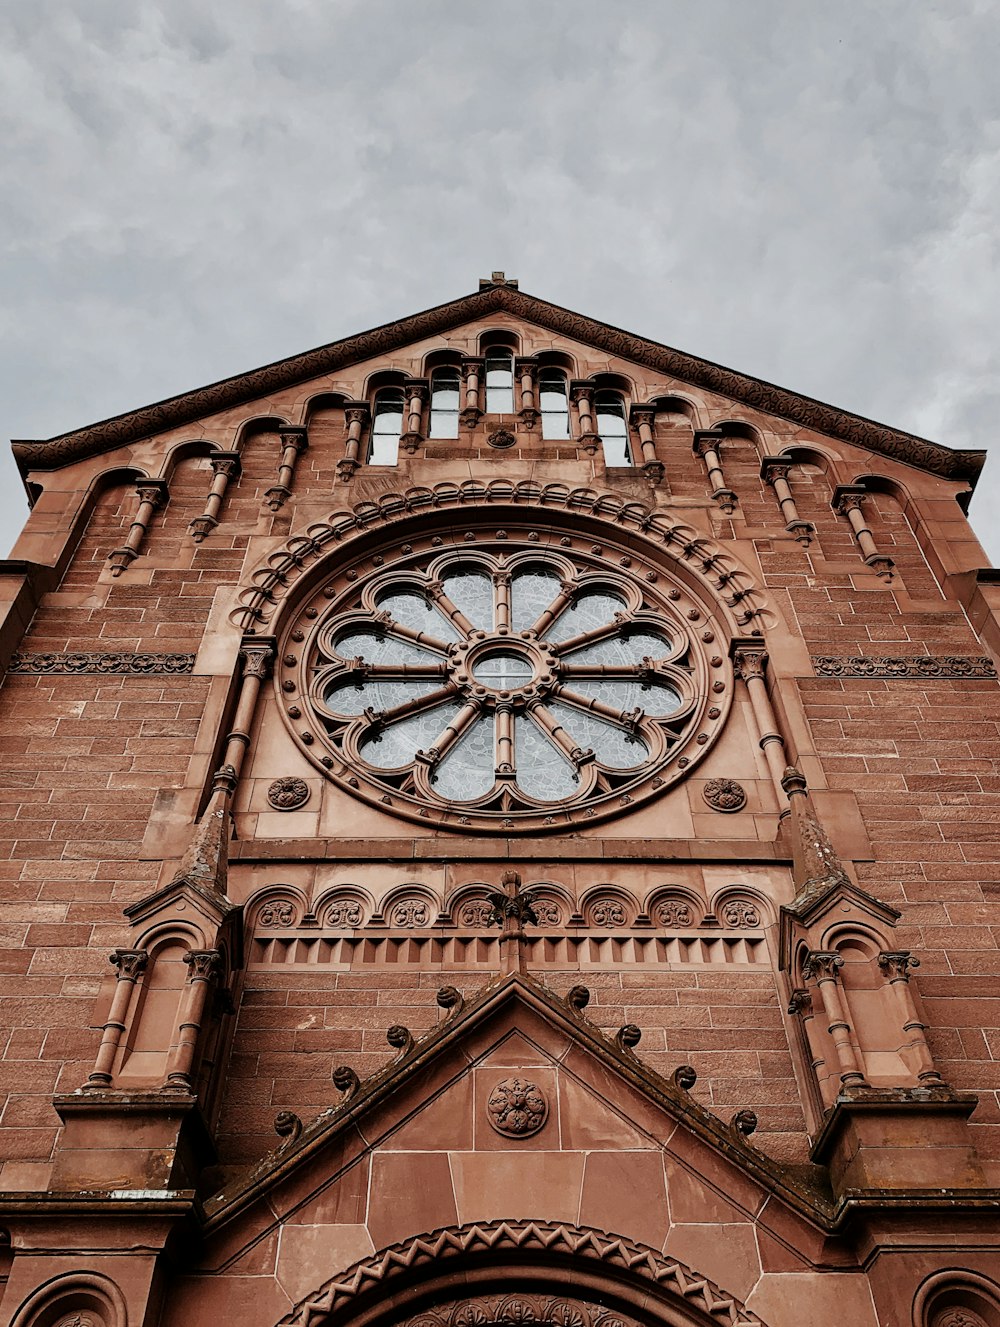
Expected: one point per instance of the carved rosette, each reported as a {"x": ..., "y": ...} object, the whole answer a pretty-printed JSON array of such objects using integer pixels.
[
  {"x": 674, "y": 912},
  {"x": 501, "y": 438},
  {"x": 517, "y": 1107},
  {"x": 741, "y": 915},
  {"x": 276, "y": 915},
  {"x": 725, "y": 795},
  {"x": 288, "y": 793}
]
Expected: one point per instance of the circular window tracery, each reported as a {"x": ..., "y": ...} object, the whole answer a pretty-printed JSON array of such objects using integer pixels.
[{"x": 503, "y": 686}]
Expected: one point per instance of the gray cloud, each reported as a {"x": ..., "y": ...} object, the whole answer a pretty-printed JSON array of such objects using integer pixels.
[{"x": 806, "y": 193}]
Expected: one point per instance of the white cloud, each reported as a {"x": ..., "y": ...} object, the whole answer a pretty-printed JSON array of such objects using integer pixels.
[{"x": 805, "y": 193}]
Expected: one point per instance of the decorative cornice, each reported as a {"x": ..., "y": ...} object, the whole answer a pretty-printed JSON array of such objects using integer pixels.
[
  {"x": 905, "y": 665},
  {"x": 116, "y": 662},
  {"x": 178, "y": 410},
  {"x": 403, "y": 1261}
]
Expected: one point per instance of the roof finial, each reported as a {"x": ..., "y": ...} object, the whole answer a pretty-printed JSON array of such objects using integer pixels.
[{"x": 497, "y": 279}]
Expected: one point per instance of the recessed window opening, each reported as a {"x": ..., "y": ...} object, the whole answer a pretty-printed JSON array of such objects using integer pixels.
[
  {"x": 446, "y": 387},
  {"x": 553, "y": 402},
  {"x": 609, "y": 413},
  {"x": 499, "y": 381},
  {"x": 387, "y": 425}
]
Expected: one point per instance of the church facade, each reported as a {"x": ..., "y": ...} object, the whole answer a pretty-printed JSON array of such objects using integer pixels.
[{"x": 501, "y": 829}]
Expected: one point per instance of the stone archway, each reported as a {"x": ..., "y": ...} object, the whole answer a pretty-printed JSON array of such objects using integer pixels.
[{"x": 516, "y": 1273}]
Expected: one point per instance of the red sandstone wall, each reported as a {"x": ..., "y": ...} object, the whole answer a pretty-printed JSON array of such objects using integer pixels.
[{"x": 85, "y": 757}]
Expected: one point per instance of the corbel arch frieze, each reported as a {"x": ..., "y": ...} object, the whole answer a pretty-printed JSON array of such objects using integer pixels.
[
  {"x": 563, "y": 1263},
  {"x": 269, "y": 592}
]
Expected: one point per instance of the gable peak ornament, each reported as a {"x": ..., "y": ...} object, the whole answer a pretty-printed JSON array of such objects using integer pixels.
[{"x": 517, "y": 1107}]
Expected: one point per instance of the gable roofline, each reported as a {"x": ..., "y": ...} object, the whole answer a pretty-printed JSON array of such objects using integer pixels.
[
  {"x": 803, "y": 1188},
  {"x": 175, "y": 411}
]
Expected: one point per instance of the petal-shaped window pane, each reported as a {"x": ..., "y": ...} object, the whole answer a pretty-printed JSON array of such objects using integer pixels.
[
  {"x": 472, "y": 592},
  {"x": 613, "y": 746},
  {"x": 414, "y": 611},
  {"x": 356, "y": 697},
  {"x": 543, "y": 771},
  {"x": 397, "y": 744},
  {"x": 531, "y": 593},
  {"x": 625, "y": 648},
  {"x": 466, "y": 772},
  {"x": 626, "y": 693},
  {"x": 375, "y": 648},
  {"x": 592, "y": 609}
]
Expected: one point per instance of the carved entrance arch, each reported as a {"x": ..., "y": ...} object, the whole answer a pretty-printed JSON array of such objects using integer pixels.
[{"x": 519, "y": 1273}]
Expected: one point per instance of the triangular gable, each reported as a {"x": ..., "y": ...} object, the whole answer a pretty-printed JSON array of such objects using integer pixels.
[
  {"x": 244, "y": 387},
  {"x": 415, "y": 1149}
]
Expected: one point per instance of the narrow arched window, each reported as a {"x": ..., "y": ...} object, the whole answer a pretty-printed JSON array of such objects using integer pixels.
[
  {"x": 499, "y": 381},
  {"x": 609, "y": 414},
  {"x": 553, "y": 402},
  {"x": 387, "y": 425},
  {"x": 445, "y": 399}
]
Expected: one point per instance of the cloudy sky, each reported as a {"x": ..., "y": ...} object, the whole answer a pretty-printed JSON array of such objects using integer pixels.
[{"x": 806, "y": 192}]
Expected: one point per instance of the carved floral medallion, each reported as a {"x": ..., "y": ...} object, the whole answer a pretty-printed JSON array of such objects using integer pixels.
[
  {"x": 517, "y": 1107},
  {"x": 725, "y": 795},
  {"x": 288, "y": 793}
]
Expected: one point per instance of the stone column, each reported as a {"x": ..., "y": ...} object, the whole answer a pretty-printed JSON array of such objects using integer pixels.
[
  {"x": 706, "y": 445},
  {"x": 129, "y": 964},
  {"x": 524, "y": 373},
  {"x": 895, "y": 966},
  {"x": 256, "y": 658},
  {"x": 294, "y": 439},
  {"x": 774, "y": 471},
  {"x": 582, "y": 396},
  {"x": 225, "y": 466},
  {"x": 825, "y": 967},
  {"x": 356, "y": 415},
  {"x": 472, "y": 377},
  {"x": 204, "y": 968},
  {"x": 847, "y": 500},
  {"x": 750, "y": 662},
  {"x": 641, "y": 418},
  {"x": 153, "y": 494},
  {"x": 416, "y": 392},
  {"x": 801, "y": 1003}
]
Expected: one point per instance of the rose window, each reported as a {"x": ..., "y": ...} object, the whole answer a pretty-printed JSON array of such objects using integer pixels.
[{"x": 502, "y": 686}]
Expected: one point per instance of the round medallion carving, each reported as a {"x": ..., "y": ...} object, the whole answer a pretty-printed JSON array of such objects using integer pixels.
[
  {"x": 288, "y": 794},
  {"x": 501, "y": 438},
  {"x": 725, "y": 795},
  {"x": 517, "y": 1107}
]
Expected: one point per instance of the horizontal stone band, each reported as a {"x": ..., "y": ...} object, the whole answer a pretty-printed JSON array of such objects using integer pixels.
[
  {"x": 906, "y": 665},
  {"x": 118, "y": 662}
]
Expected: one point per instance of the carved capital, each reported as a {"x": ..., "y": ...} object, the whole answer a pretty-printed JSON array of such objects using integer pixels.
[
  {"x": 225, "y": 463},
  {"x": 800, "y": 1001},
  {"x": 581, "y": 391},
  {"x": 416, "y": 387},
  {"x": 642, "y": 414},
  {"x": 257, "y": 656},
  {"x": 153, "y": 491},
  {"x": 473, "y": 364},
  {"x": 204, "y": 964},
  {"x": 357, "y": 413},
  {"x": 750, "y": 661},
  {"x": 129, "y": 963},
  {"x": 897, "y": 963},
  {"x": 774, "y": 467},
  {"x": 706, "y": 440},
  {"x": 822, "y": 964},
  {"x": 847, "y": 497},
  {"x": 294, "y": 435}
]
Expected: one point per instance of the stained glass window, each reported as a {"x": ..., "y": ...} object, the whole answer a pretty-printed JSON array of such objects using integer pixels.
[{"x": 500, "y": 681}]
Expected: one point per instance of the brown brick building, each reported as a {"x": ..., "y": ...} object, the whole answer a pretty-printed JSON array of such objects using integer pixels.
[{"x": 538, "y": 791}]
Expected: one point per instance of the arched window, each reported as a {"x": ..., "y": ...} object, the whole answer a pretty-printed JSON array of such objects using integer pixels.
[
  {"x": 553, "y": 402},
  {"x": 499, "y": 381},
  {"x": 609, "y": 412},
  {"x": 387, "y": 425},
  {"x": 446, "y": 387}
]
